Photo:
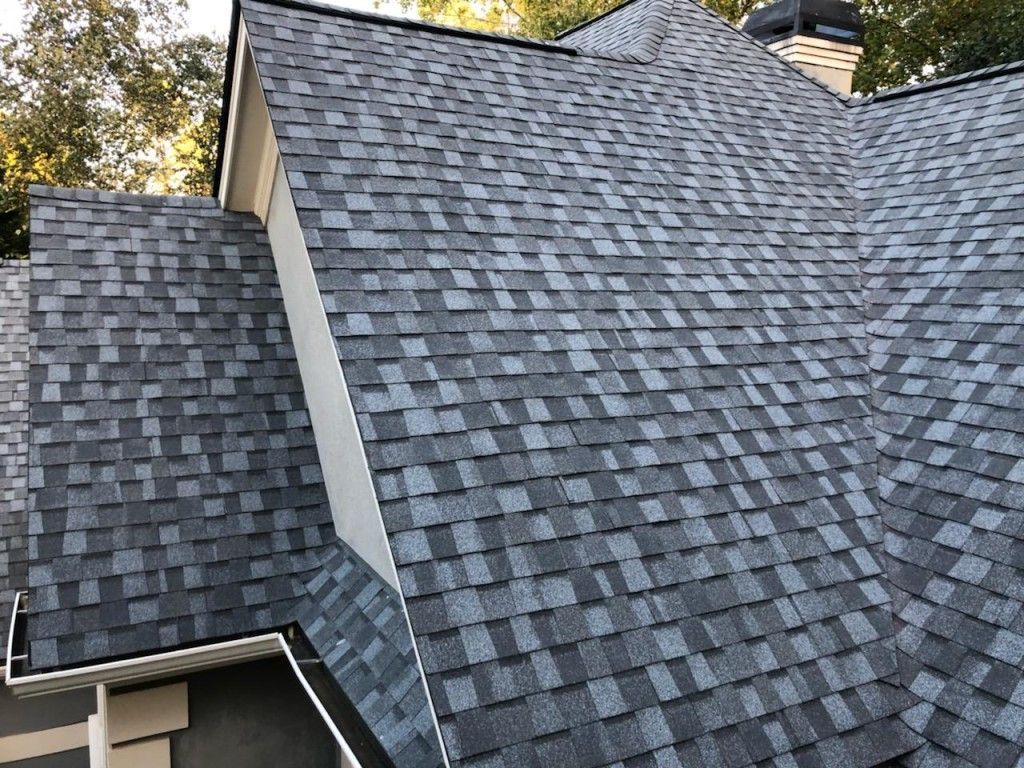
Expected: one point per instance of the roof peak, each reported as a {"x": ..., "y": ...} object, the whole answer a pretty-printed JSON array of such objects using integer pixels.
[{"x": 594, "y": 19}]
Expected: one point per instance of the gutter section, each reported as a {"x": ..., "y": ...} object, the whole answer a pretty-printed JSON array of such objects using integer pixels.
[
  {"x": 142, "y": 669},
  {"x": 149, "y": 668}
]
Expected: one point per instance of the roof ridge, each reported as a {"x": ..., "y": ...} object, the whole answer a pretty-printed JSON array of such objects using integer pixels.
[
  {"x": 950, "y": 81},
  {"x": 840, "y": 96},
  {"x": 642, "y": 43},
  {"x": 81, "y": 194},
  {"x": 383, "y": 19},
  {"x": 594, "y": 19}
]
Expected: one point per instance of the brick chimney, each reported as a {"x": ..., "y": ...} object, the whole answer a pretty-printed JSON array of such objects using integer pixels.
[{"x": 822, "y": 37}]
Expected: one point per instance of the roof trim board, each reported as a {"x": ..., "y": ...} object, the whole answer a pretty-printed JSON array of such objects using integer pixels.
[
  {"x": 352, "y": 497},
  {"x": 145, "y": 668},
  {"x": 350, "y": 488},
  {"x": 227, "y": 95}
]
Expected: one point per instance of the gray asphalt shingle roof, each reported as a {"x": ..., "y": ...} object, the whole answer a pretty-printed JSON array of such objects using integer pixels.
[
  {"x": 941, "y": 184},
  {"x": 14, "y": 350},
  {"x": 175, "y": 490},
  {"x": 174, "y": 483},
  {"x": 601, "y": 325},
  {"x": 659, "y": 489}
]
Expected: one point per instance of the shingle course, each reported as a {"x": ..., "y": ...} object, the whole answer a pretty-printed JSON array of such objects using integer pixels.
[
  {"x": 601, "y": 327},
  {"x": 14, "y": 358},
  {"x": 943, "y": 244}
]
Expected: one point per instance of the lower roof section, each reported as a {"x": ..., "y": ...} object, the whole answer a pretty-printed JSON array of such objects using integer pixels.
[
  {"x": 14, "y": 350},
  {"x": 175, "y": 493},
  {"x": 174, "y": 490}
]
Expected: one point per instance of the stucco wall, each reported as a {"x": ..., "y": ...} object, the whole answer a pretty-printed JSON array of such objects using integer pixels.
[
  {"x": 24, "y": 716},
  {"x": 252, "y": 715}
]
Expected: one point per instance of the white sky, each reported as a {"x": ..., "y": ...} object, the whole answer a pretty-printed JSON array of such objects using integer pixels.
[{"x": 212, "y": 17}]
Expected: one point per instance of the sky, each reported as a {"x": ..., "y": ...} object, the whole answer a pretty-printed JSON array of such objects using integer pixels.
[{"x": 212, "y": 17}]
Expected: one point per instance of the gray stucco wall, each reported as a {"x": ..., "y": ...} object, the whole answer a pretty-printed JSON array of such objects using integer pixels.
[
  {"x": 40, "y": 714},
  {"x": 75, "y": 758},
  {"x": 253, "y": 715}
]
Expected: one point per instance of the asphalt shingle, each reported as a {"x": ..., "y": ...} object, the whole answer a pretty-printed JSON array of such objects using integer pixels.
[
  {"x": 14, "y": 354},
  {"x": 941, "y": 180},
  {"x": 602, "y": 328}
]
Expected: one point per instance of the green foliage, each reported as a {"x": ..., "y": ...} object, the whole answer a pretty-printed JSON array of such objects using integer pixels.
[
  {"x": 542, "y": 19},
  {"x": 108, "y": 94},
  {"x": 545, "y": 19},
  {"x": 912, "y": 40}
]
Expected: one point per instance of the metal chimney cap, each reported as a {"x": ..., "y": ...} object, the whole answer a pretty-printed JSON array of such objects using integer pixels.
[{"x": 837, "y": 20}]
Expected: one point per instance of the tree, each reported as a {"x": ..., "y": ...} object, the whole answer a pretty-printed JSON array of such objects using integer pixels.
[
  {"x": 98, "y": 93},
  {"x": 542, "y": 19},
  {"x": 912, "y": 40}
]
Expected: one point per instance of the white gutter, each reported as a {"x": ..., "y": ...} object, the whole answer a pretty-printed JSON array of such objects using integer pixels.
[
  {"x": 350, "y": 758},
  {"x": 171, "y": 663},
  {"x": 142, "y": 668}
]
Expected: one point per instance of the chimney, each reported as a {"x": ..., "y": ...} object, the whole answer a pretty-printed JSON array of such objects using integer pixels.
[{"x": 822, "y": 37}]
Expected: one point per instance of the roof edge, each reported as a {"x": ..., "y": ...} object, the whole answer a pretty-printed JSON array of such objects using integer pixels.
[
  {"x": 595, "y": 19},
  {"x": 952, "y": 81},
  {"x": 381, "y": 19},
  {"x": 109, "y": 196}
]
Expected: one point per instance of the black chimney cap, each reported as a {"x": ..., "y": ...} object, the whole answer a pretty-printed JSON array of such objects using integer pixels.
[{"x": 829, "y": 19}]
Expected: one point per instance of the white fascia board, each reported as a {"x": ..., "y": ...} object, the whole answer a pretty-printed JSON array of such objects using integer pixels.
[
  {"x": 141, "y": 669},
  {"x": 254, "y": 180},
  {"x": 241, "y": 57},
  {"x": 250, "y": 150}
]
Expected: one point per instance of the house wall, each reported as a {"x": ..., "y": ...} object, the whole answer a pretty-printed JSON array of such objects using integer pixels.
[
  {"x": 266, "y": 192},
  {"x": 43, "y": 725},
  {"x": 249, "y": 715},
  {"x": 252, "y": 715}
]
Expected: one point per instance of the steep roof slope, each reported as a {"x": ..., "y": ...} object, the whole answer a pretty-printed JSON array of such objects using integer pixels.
[
  {"x": 941, "y": 180},
  {"x": 14, "y": 347},
  {"x": 632, "y": 29},
  {"x": 356, "y": 624},
  {"x": 601, "y": 326},
  {"x": 175, "y": 490}
]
